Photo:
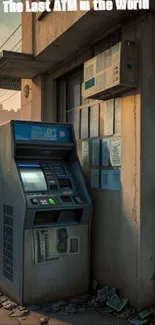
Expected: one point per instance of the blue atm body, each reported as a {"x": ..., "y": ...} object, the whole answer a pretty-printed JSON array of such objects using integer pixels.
[{"x": 45, "y": 213}]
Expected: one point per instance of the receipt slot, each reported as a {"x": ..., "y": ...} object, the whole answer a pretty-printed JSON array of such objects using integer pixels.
[{"x": 45, "y": 213}]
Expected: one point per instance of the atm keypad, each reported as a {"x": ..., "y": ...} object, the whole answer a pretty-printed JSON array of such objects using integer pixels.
[{"x": 44, "y": 202}]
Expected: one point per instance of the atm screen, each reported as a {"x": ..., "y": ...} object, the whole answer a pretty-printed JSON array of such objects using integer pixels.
[{"x": 33, "y": 178}]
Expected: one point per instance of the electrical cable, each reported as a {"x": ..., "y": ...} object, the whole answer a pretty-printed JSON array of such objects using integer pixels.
[
  {"x": 3, "y": 92},
  {"x": 16, "y": 44},
  {"x": 3, "y": 101},
  {"x": 22, "y": 106},
  {"x": 10, "y": 36},
  {"x": 18, "y": 48},
  {"x": 1, "y": 95}
]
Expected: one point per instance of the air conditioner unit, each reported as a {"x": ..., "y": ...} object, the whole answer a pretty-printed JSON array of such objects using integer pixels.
[{"x": 111, "y": 73}]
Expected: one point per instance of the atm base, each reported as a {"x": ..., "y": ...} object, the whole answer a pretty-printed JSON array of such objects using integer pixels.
[{"x": 67, "y": 275}]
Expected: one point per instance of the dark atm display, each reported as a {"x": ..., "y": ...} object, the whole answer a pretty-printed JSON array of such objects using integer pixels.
[
  {"x": 33, "y": 178},
  {"x": 65, "y": 184}
]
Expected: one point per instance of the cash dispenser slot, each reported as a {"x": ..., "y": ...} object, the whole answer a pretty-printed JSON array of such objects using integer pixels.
[
  {"x": 52, "y": 217},
  {"x": 22, "y": 152},
  {"x": 66, "y": 199}
]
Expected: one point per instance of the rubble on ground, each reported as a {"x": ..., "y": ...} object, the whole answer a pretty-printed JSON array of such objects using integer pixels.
[
  {"x": 43, "y": 320},
  {"x": 9, "y": 305},
  {"x": 104, "y": 300},
  {"x": 143, "y": 317}
]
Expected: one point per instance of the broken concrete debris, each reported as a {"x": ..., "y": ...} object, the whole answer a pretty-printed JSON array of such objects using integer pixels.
[
  {"x": 143, "y": 317},
  {"x": 95, "y": 285},
  {"x": 106, "y": 310},
  {"x": 144, "y": 314},
  {"x": 3, "y": 298},
  {"x": 127, "y": 313},
  {"x": 43, "y": 320},
  {"x": 138, "y": 321},
  {"x": 9, "y": 305},
  {"x": 33, "y": 308},
  {"x": 19, "y": 313},
  {"x": 115, "y": 302},
  {"x": 104, "y": 300}
]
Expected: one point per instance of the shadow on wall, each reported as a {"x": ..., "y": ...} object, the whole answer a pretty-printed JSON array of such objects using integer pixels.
[
  {"x": 114, "y": 241},
  {"x": 114, "y": 224}
]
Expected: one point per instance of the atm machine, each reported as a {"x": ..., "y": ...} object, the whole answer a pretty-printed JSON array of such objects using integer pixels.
[{"x": 45, "y": 213}]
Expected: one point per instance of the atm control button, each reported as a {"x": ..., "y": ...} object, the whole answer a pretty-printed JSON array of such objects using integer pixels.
[
  {"x": 78, "y": 200},
  {"x": 34, "y": 201},
  {"x": 43, "y": 201},
  {"x": 51, "y": 201}
]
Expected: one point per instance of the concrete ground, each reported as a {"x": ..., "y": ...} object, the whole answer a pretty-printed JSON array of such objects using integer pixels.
[{"x": 90, "y": 317}]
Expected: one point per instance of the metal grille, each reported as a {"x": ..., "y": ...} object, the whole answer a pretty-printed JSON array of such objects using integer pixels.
[
  {"x": 47, "y": 251},
  {"x": 74, "y": 245},
  {"x": 8, "y": 243},
  {"x": 42, "y": 250},
  {"x": 62, "y": 236}
]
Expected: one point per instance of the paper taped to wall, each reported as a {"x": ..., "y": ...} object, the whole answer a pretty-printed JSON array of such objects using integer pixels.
[
  {"x": 115, "y": 151},
  {"x": 94, "y": 178},
  {"x": 109, "y": 117},
  {"x": 110, "y": 179},
  {"x": 105, "y": 152},
  {"x": 96, "y": 152},
  {"x": 94, "y": 121},
  {"x": 84, "y": 123},
  {"x": 117, "y": 124},
  {"x": 85, "y": 153}
]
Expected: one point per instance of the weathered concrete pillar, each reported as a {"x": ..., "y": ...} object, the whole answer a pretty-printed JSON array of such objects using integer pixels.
[
  {"x": 27, "y": 47},
  {"x": 147, "y": 220}
]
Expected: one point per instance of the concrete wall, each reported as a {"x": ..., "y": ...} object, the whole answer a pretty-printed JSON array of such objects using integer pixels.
[
  {"x": 117, "y": 214},
  {"x": 49, "y": 100},
  {"x": 147, "y": 231},
  {"x": 123, "y": 244},
  {"x": 124, "y": 223},
  {"x": 115, "y": 235},
  {"x": 31, "y": 106},
  {"x": 27, "y": 47},
  {"x": 36, "y": 99},
  {"x": 34, "y": 31},
  {"x": 59, "y": 22}
]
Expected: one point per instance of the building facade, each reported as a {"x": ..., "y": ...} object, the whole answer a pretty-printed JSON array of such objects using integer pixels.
[
  {"x": 7, "y": 115},
  {"x": 123, "y": 225}
]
